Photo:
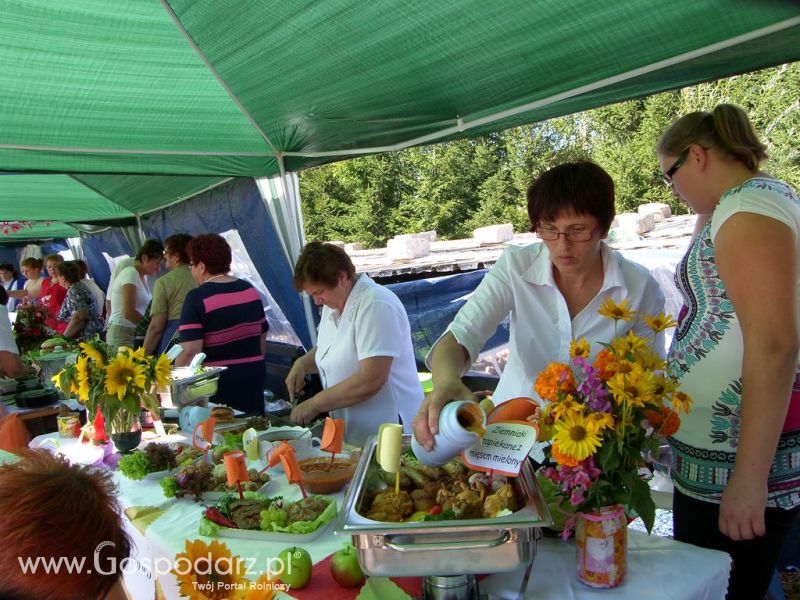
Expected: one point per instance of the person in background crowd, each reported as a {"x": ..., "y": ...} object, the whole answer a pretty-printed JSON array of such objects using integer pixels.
[
  {"x": 552, "y": 290},
  {"x": 130, "y": 295},
  {"x": 363, "y": 354},
  {"x": 53, "y": 509},
  {"x": 169, "y": 293},
  {"x": 97, "y": 293},
  {"x": 736, "y": 457},
  {"x": 79, "y": 317},
  {"x": 52, "y": 293},
  {"x": 32, "y": 272},
  {"x": 10, "y": 363},
  {"x": 224, "y": 319},
  {"x": 121, "y": 264},
  {"x": 9, "y": 277}
]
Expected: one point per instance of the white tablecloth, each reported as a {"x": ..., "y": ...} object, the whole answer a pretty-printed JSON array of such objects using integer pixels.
[{"x": 657, "y": 567}]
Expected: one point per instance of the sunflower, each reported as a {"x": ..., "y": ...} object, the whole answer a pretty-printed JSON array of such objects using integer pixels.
[
  {"x": 261, "y": 589},
  {"x": 82, "y": 370},
  {"x": 660, "y": 322},
  {"x": 138, "y": 354},
  {"x": 93, "y": 353},
  {"x": 162, "y": 370},
  {"x": 665, "y": 386},
  {"x": 556, "y": 378},
  {"x": 579, "y": 348},
  {"x": 601, "y": 420},
  {"x": 566, "y": 407},
  {"x": 618, "y": 312},
  {"x": 208, "y": 572},
  {"x": 123, "y": 372},
  {"x": 682, "y": 401},
  {"x": 635, "y": 388},
  {"x": 577, "y": 437}
]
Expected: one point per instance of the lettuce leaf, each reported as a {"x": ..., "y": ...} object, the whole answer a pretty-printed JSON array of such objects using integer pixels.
[
  {"x": 207, "y": 528},
  {"x": 308, "y": 526}
]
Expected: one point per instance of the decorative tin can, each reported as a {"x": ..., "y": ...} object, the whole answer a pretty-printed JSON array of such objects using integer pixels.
[
  {"x": 601, "y": 539},
  {"x": 69, "y": 425}
]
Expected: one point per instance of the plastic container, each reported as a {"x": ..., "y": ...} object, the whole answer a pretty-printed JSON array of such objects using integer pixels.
[{"x": 461, "y": 424}]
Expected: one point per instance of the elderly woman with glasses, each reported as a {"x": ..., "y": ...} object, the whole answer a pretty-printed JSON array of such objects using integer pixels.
[
  {"x": 735, "y": 459},
  {"x": 551, "y": 290}
]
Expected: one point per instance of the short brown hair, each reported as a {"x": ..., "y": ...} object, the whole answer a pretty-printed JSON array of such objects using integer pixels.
[
  {"x": 583, "y": 188},
  {"x": 54, "y": 258},
  {"x": 70, "y": 270},
  {"x": 33, "y": 263},
  {"x": 212, "y": 250},
  {"x": 726, "y": 128},
  {"x": 52, "y": 508},
  {"x": 320, "y": 262},
  {"x": 151, "y": 249},
  {"x": 176, "y": 244}
]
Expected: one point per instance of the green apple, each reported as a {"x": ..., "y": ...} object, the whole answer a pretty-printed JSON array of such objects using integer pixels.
[
  {"x": 296, "y": 570},
  {"x": 345, "y": 568}
]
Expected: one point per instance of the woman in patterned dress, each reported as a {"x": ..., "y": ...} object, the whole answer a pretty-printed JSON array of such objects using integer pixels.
[
  {"x": 79, "y": 316},
  {"x": 736, "y": 458}
]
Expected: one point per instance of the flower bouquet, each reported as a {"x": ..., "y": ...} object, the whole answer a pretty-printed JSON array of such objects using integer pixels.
[
  {"x": 29, "y": 327},
  {"x": 603, "y": 416},
  {"x": 118, "y": 385}
]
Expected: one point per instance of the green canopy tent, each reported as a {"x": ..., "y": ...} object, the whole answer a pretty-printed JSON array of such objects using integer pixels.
[{"x": 113, "y": 111}]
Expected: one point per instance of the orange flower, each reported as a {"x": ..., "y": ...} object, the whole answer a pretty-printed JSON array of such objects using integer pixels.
[
  {"x": 556, "y": 379},
  {"x": 603, "y": 362},
  {"x": 665, "y": 420},
  {"x": 563, "y": 459}
]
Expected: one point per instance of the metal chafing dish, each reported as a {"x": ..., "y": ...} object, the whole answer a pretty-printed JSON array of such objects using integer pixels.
[
  {"x": 441, "y": 548},
  {"x": 187, "y": 387}
]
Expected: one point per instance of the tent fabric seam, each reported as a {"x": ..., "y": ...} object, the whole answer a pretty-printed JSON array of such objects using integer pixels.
[{"x": 134, "y": 152}]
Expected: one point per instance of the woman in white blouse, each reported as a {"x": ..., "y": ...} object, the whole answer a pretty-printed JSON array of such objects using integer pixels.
[{"x": 551, "y": 290}]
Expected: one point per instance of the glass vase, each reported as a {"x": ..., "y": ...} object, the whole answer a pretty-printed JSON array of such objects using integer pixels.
[{"x": 601, "y": 541}]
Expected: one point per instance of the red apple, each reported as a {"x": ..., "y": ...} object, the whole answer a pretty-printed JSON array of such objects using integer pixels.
[{"x": 345, "y": 568}]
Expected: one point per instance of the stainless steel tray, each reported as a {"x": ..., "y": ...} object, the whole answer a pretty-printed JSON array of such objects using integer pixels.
[{"x": 458, "y": 547}]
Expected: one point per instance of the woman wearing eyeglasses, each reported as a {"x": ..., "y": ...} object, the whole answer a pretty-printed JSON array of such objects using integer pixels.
[
  {"x": 550, "y": 290},
  {"x": 736, "y": 458}
]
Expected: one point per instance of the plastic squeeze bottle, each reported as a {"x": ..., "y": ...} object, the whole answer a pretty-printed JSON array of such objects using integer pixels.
[{"x": 461, "y": 424}]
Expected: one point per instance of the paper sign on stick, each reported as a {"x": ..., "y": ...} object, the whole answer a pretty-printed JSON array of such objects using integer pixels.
[
  {"x": 387, "y": 453},
  {"x": 159, "y": 427},
  {"x": 235, "y": 468},
  {"x": 203, "y": 434},
  {"x": 503, "y": 449},
  {"x": 332, "y": 436}
]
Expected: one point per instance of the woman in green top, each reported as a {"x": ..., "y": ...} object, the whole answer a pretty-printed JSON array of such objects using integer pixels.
[{"x": 169, "y": 292}]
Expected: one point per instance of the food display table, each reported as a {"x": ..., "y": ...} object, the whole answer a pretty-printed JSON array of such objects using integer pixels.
[{"x": 658, "y": 567}]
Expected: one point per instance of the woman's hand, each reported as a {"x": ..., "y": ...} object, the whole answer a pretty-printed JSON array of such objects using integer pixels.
[
  {"x": 305, "y": 412},
  {"x": 741, "y": 511},
  {"x": 296, "y": 379},
  {"x": 426, "y": 423}
]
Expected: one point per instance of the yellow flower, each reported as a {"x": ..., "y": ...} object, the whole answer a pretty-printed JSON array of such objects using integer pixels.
[
  {"x": 92, "y": 352},
  {"x": 665, "y": 386},
  {"x": 576, "y": 437},
  {"x": 601, "y": 420},
  {"x": 682, "y": 401},
  {"x": 208, "y": 572},
  {"x": 123, "y": 373},
  {"x": 631, "y": 344},
  {"x": 579, "y": 348},
  {"x": 660, "y": 322},
  {"x": 162, "y": 370},
  {"x": 565, "y": 407},
  {"x": 82, "y": 369},
  {"x": 636, "y": 388},
  {"x": 261, "y": 589},
  {"x": 618, "y": 312},
  {"x": 138, "y": 354}
]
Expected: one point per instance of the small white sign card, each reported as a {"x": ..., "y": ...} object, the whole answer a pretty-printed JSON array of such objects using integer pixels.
[{"x": 503, "y": 449}]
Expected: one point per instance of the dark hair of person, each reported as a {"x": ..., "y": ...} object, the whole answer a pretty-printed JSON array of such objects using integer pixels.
[
  {"x": 33, "y": 263},
  {"x": 10, "y": 268},
  {"x": 212, "y": 250},
  {"x": 727, "y": 129},
  {"x": 52, "y": 508},
  {"x": 70, "y": 270},
  {"x": 54, "y": 258},
  {"x": 3, "y": 296},
  {"x": 151, "y": 249},
  {"x": 572, "y": 188},
  {"x": 83, "y": 266},
  {"x": 176, "y": 245},
  {"x": 322, "y": 263}
]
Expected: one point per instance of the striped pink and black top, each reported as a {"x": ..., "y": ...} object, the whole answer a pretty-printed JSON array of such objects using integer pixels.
[{"x": 229, "y": 318}]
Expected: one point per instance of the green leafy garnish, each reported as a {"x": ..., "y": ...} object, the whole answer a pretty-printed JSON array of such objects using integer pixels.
[
  {"x": 134, "y": 466},
  {"x": 445, "y": 515},
  {"x": 169, "y": 485}
]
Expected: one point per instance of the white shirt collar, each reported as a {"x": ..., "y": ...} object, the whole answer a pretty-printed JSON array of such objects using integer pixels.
[{"x": 541, "y": 271}]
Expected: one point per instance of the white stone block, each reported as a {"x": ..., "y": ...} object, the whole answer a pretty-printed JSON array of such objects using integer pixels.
[
  {"x": 353, "y": 247},
  {"x": 636, "y": 223},
  {"x": 406, "y": 248},
  {"x": 494, "y": 234},
  {"x": 659, "y": 210},
  {"x": 431, "y": 236}
]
